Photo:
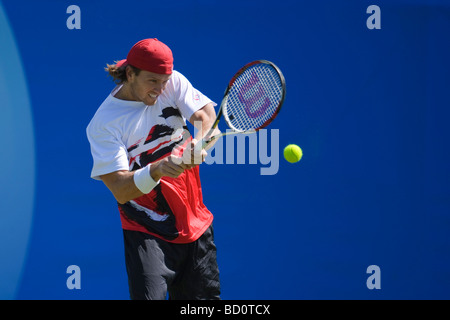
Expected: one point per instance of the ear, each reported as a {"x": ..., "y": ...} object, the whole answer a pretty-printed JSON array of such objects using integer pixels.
[{"x": 130, "y": 74}]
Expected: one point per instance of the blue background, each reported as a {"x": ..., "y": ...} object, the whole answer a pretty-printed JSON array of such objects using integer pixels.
[{"x": 369, "y": 108}]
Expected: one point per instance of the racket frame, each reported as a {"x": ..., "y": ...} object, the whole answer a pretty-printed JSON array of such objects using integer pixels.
[{"x": 223, "y": 111}]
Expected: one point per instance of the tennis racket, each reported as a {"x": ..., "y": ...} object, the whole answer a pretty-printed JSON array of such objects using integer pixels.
[{"x": 252, "y": 99}]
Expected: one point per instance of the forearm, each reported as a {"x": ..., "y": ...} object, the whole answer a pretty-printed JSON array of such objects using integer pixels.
[
  {"x": 122, "y": 186},
  {"x": 203, "y": 120},
  {"x": 126, "y": 185}
]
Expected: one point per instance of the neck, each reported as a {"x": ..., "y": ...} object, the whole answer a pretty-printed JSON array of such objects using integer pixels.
[{"x": 125, "y": 93}]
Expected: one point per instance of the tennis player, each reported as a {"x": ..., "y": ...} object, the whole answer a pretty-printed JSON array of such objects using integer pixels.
[{"x": 137, "y": 137}]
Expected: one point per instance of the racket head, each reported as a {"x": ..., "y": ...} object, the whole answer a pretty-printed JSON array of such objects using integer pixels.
[{"x": 254, "y": 96}]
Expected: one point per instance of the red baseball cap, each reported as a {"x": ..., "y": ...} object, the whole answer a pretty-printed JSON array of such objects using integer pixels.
[{"x": 151, "y": 55}]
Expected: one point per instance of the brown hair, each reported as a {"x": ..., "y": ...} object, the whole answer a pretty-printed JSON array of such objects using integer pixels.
[{"x": 119, "y": 75}]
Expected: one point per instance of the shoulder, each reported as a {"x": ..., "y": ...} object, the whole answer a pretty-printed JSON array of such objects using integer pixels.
[
  {"x": 177, "y": 76},
  {"x": 105, "y": 118},
  {"x": 178, "y": 80}
]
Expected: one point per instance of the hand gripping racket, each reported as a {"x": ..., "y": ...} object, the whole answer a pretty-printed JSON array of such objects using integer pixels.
[{"x": 252, "y": 99}]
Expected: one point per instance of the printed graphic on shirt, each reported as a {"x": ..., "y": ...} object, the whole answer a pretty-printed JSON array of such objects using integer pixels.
[
  {"x": 171, "y": 132},
  {"x": 152, "y": 210},
  {"x": 160, "y": 220}
]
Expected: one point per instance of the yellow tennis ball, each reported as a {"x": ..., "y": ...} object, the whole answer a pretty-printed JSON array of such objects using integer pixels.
[{"x": 293, "y": 153}]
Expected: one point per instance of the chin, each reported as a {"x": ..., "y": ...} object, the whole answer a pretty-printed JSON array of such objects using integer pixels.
[{"x": 151, "y": 102}]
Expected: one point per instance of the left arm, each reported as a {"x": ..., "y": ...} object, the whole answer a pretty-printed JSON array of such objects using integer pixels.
[{"x": 203, "y": 119}]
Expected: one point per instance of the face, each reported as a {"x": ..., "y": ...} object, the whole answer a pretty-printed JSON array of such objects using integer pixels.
[{"x": 147, "y": 86}]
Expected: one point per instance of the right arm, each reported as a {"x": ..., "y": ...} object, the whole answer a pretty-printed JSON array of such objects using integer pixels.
[
  {"x": 122, "y": 183},
  {"x": 110, "y": 153}
]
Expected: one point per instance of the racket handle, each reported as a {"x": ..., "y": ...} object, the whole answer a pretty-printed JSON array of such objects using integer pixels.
[{"x": 205, "y": 143}]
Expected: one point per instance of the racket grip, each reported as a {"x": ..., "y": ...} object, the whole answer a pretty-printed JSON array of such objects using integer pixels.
[
  {"x": 205, "y": 143},
  {"x": 210, "y": 138}
]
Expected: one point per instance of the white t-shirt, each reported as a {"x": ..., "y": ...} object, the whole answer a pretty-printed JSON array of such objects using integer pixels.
[{"x": 128, "y": 134}]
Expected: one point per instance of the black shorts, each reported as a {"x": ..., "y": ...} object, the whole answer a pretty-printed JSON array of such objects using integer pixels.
[{"x": 185, "y": 271}]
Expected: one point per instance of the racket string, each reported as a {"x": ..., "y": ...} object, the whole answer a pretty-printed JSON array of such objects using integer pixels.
[{"x": 254, "y": 97}]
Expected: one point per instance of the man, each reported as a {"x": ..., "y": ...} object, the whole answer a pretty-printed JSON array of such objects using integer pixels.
[{"x": 144, "y": 154}]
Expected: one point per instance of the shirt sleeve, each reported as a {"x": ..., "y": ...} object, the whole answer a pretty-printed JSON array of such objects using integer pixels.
[
  {"x": 108, "y": 152},
  {"x": 187, "y": 99}
]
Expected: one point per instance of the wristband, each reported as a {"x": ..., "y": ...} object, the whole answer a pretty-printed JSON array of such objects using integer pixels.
[{"x": 143, "y": 180}]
